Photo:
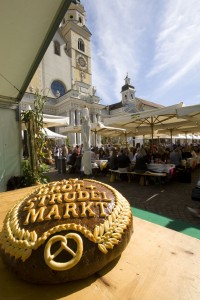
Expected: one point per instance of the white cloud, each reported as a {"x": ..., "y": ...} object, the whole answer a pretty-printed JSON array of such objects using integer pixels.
[
  {"x": 156, "y": 42},
  {"x": 177, "y": 43}
]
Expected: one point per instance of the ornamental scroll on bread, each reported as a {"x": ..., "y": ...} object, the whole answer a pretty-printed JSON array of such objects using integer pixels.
[{"x": 65, "y": 231}]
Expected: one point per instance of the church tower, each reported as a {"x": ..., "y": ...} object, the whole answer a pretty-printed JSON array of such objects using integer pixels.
[
  {"x": 128, "y": 92},
  {"x": 77, "y": 37}
]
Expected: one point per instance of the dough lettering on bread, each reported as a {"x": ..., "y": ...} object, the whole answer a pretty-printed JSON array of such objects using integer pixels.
[{"x": 65, "y": 230}]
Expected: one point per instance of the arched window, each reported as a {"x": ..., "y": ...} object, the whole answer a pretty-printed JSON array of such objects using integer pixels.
[
  {"x": 81, "y": 45},
  {"x": 56, "y": 47},
  {"x": 58, "y": 88}
]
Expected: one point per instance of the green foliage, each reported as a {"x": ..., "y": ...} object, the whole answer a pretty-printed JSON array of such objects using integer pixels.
[
  {"x": 33, "y": 119},
  {"x": 29, "y": 177}
]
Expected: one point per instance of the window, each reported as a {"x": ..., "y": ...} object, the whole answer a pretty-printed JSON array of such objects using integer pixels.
[
  {"x": 57, "y": 48},
  {"x": 81, "y": 45},
  {"x": 66, "y": 47},
  {"x": 58, "y": 88}
]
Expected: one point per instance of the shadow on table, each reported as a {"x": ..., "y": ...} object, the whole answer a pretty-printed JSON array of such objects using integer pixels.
[
  {"x": 185, "y": 228},
  {"x": 11, "y": 287}
]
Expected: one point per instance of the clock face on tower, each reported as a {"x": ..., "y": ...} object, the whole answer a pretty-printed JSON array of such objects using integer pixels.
[{"x": 82, "y": 62}]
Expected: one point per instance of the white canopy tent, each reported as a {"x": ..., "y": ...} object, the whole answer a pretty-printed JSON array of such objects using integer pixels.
[
  {"x": 52, "y": 135},
  {"x": 54, "y": 121},
  {"x": 35, "y": 23}
]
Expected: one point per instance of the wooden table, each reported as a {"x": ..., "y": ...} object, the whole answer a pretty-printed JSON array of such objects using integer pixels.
[{"x": 157, "y": 264}]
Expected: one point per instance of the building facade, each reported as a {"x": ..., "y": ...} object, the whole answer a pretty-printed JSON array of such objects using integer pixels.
[{"x": 65, "y": 75}]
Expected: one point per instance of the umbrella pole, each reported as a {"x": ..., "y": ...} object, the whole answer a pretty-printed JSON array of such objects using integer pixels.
[
  {"x": 125, "y": 133},
  {"x": 171, "y": 136},
  {"x": 152, "y": 130}
]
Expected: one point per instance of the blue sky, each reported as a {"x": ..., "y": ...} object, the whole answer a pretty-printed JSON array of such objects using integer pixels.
[{"x": 156, "y": 41}]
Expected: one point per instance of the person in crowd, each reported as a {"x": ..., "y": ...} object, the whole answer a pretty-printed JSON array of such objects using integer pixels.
[
  {"x": 72, "y": 160},
  {"x": 64, "y": 151},
  {"x": 94, "y": 154},
  {"x": 113, "y": 163},
  {"x": 101, "y": 153},
  {"x": 176, "y": 156},
  {"x": 166, "y": 154},
  {"x": 131, "y": 153},
  {"x": 141, "y": 160},
  {"x": 193, "y": 152},
  {"x": 186, "y": 152},
  {"x": 78, "y": 149},
  {"x": 123, "y": 160},
  {"x": 56, "y": 155},
  {"x": 107, "y": 153},
  {"x": 124, "y": 163},
  {"x": 96, "y": 151}
]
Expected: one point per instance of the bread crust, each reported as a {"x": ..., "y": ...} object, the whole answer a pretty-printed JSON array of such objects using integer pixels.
[{"x": 65, "y": 231}]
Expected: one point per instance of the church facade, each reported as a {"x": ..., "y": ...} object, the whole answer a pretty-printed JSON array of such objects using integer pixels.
[{"x": 65, "y": 76}]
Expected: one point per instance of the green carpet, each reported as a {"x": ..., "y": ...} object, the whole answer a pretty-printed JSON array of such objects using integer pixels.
[{"x": 176, "y": 225}]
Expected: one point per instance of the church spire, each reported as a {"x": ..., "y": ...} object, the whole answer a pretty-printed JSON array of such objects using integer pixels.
[{"x": 128, "y": 91}]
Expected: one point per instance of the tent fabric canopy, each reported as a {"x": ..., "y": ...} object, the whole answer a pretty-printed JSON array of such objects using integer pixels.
[
  {"x": 35, "y": 23},
  {"x": 26, "y": 30},
  {"x": 54, "y": 121},
  {"x": 52, "y": 135}
]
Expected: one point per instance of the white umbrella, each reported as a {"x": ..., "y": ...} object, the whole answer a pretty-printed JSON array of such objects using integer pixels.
[
  {"x": 191, "y": 112},
  {"x": 98, "y": 128},
  {"x": 148, "y": 121}
]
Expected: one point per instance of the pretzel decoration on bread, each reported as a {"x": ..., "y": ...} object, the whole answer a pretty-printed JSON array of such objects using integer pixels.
[{"x": 76, "y": 256}]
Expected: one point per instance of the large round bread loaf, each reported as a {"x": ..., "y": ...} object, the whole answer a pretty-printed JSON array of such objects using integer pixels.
[{"x": 65, "y": 231}]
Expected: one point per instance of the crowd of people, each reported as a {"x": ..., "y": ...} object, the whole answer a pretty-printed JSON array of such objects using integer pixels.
[{"x": 124, "y": 158}]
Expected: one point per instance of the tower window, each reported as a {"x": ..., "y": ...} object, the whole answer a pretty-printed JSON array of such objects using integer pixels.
[
  {"x": 57, "y": 48},
  {"x": 80, "y": 20},
  {"x": 81, "y": 45},
  {"x": 58, "y": 88},
  {"x": 66, "y": 47}
]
